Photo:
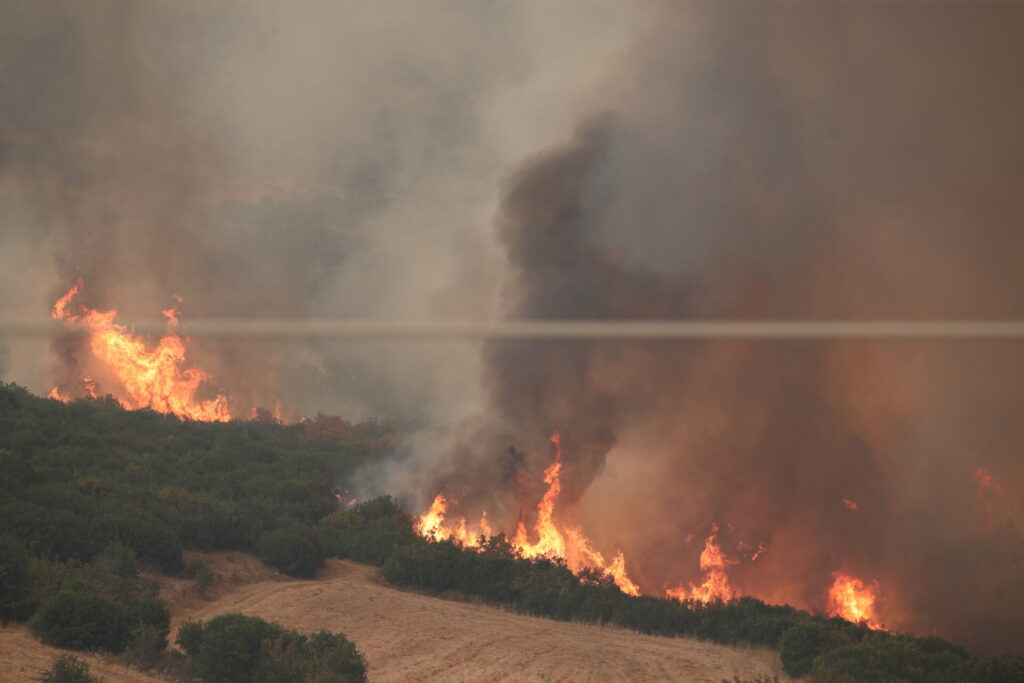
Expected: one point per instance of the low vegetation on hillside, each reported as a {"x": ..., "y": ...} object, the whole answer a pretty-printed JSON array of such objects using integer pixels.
[{"x": 90, "y": 494}]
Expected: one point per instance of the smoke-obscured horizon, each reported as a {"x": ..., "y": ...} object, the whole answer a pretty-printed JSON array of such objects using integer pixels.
[
  {"x": 779, "y": 161},
  {"x": 738, "y": 160},
  {"x": 331, "y": 159}
]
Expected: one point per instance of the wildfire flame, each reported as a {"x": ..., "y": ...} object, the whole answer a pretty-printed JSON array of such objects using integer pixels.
[
  {"x": 850, "y": 599},
  {"x": 567, "y": 543},
  {"x": 149, "y": 377},
  {"x": 716, "y": 584}
]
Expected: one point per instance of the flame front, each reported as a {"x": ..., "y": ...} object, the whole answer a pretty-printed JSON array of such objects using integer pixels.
[
  {"x": 850, "y": 599},
  {"x": 716, "y": 584},
  {"x": 149, "y": 377},
  {"x": 567, "y": 543}
]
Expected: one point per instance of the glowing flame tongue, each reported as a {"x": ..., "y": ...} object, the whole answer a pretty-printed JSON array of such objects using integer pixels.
[
  {"x": 716, "y": 584},
  {"x": 550, "y": 541},
  {"x": 151, "y": 377},
  {"x": 850, "y": 599}
]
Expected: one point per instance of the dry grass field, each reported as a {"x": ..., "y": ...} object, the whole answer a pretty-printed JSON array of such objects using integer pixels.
[{"x": 411, "y": 637}]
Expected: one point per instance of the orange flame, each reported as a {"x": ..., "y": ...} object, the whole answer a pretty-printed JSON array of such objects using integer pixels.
[
  {"x": 850, "y": 504},
  {"x": 550, "y": 542},
  {"x": 571, "y": 546},
  {"x": 55, "y": 394},
  {"x": 716, "y": 584},
  {"x": 150, "y": 377},
  {"x": 850, "y": 599}
]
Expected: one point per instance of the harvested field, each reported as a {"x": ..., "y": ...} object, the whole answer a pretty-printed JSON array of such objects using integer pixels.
[{"x": 411, "y": 637}]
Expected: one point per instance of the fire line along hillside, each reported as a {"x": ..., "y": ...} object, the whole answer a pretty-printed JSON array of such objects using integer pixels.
[{"x": 92, "y": 493}]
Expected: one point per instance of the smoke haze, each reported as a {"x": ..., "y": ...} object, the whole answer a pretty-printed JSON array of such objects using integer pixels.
[{"x": 452, "y": 159}]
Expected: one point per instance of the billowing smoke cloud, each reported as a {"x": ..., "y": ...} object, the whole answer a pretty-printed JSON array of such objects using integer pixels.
[
  {"x": 804, "y": 160},
  {"x": 334, "y": 159},
  {"x": 749, "y": 160}
]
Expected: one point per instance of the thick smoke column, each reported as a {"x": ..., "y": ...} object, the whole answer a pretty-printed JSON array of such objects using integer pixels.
[
  {"x": 830, "y": 160},
  {"x": 334, "y": 159}
]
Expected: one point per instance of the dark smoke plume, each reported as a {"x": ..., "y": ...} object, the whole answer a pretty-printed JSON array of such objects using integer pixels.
[{"x": 804, "y": 160}]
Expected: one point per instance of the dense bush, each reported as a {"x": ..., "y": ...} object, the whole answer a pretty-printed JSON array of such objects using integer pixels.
[
  {"x": 154, "y": 544},
  {"x": 291, "y": 551},
  {"x": 370, "y": 532},
  {"x": 83, "y": 621},
  {"x": 80, "y": 476},
  {"x": 15, "y": 585},
  {"x": 801, "y": 644},
  {"x": 68, "y": 669},
  {"x": 234, "y": 648}
]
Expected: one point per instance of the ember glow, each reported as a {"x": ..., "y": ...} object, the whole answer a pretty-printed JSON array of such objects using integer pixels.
[
  {"x": 854, "y": 601},
  {"x": 148, "y": 377},
  {"x": 553, "y": 540}
]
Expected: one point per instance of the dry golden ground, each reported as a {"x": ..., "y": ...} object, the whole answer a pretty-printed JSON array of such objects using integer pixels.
[{"x": 411, "y": 637}]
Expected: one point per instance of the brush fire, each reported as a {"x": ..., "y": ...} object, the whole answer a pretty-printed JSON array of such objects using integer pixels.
[{"x": 142, "y": 375}]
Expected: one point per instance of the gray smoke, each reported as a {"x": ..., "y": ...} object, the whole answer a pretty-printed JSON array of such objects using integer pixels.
[
  {"x": 738, "y": 160},
  {"x": 335, "y": 159},
  {"x": 830, "y": 160}
]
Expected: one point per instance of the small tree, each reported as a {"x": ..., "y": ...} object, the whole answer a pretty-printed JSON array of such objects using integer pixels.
[{"x": 68, "y": 669}]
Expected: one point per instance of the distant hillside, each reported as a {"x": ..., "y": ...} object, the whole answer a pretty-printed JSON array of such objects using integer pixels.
[{"x": 96, "y": 500}]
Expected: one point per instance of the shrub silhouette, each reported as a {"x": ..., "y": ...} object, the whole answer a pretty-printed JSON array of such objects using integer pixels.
[
  {"x": 68, "y": 669},
  {"x": 291, "y": 551},
  {"x": 82, "y": 621},
  {"x": 15, "y": 582},
  {"x": 234, "y": 648}
]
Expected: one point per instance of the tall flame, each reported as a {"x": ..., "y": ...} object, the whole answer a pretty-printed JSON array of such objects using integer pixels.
[
  {"x": 850, "y": 599},
  {"x": 567, "y": 543},
  {"x": 149, "y": 377},
  {"x": 716, "y": 584}
]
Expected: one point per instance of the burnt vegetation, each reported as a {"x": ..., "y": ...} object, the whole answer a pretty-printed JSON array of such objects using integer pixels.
[{"x": 94, "y": 496}]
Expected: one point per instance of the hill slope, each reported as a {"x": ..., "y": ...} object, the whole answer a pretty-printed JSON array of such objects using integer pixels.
[{"x": 411, "y": 637}]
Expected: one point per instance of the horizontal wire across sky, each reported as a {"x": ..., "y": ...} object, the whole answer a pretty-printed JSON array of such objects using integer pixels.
[{"x": 553, "y": 330}]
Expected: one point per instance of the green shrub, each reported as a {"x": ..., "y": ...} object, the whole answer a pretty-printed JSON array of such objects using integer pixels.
[
  {"x": 800, "y": 644},
  {"x": 203, "y": 576},
  {"x": 291, "y": 551},
  {"x": 369, "y": 532},
  {"x": 235, "y": 648},
  {"x": 150, "y": 615},
  {"x": 68, "y": 669},
  {"x": 83, "y": 621},
  {"x": 15, "y": 582},
  {"x": 229, "y": 650},
  {"x": 190, "y": 637},
  {"x": 1006, "y": 669},
  {"x": 152, "y": 541}
]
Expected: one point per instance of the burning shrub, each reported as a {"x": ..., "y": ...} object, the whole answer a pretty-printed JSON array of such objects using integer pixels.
[
  {"x": 234, "y": 648},
  {"x": 291, "y": 551}
]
